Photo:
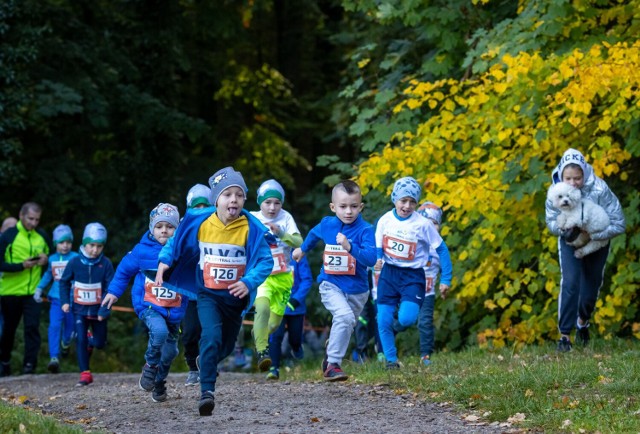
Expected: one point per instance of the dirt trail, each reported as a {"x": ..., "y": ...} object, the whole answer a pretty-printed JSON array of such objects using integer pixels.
[{"x": 245, "y": 403}]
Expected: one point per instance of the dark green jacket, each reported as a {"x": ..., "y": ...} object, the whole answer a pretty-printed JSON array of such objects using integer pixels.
[{"x": 17, "y": 245}]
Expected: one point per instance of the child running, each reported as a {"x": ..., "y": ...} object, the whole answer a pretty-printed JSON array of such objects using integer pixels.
[
  {"x": 344, "y": 288},
  {"x": 425, "y": 320},
  {"x": 403, "y": 240},
  {"x": 226, "y": 250},
  {"x": 89, "y": 275},
  {"x": 159, "y": 308},
  {"x": 274, "y": 293},
  {"x": 61, "y": 324}
]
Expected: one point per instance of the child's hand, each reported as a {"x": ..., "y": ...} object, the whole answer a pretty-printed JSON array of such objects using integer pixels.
[
  {"x": 297, "y": 254},
  {"x": 65, "y": 308},
  {"x": 109, "y": 300},
  {"x": 378, "y": 265},
  {"x": 37, "y": 296},
  {"x": 238, "y": 289},
  {"x": 343, "y": 241},
  {"x": 162, "y": 267},
  {"x": 275, "y": 229},
  {"x": 444, "y": 290}
]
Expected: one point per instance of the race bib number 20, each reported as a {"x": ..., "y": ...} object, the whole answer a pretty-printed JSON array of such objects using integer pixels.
[{"x": 399, "y": 248}]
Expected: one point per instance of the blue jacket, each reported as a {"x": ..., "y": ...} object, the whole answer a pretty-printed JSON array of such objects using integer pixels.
[
  {"x": 47, "y": 277},
  {"x": 302, "y": 281},
  {"x": 144, "y": 256},
  {"x": 363, "y": 249},
  {"x": 83, "y": 270},
  {"x": 184, "y": 256}
]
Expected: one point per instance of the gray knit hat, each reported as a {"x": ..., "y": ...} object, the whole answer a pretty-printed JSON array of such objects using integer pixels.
[
  {"x": 406, "y": 187},
  {"x": 94, "y": 233},
  {"x": 223, "y": 179},
  {"x": 62, "y": 233},
  {"x": 164, "y": 212},
  {"x": 199, "y": 195}
]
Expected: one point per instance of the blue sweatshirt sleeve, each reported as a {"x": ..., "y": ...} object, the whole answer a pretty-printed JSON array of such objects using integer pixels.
[
  {"x": 303, "y": 275},
  {"x": 64, "y": 284},
  {"x": 445, "y": 263},
  {"x": 263, "y": 265},
  {"x": 166, "y": 253},
  {"x": 312, "y": 238},
  {"x": 365, "y": 252},
  {"x": 128, "y": 268},
  {"x": 47, "y": 277}
]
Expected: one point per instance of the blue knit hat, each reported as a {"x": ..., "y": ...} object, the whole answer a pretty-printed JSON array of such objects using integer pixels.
[
  {"x": 406, "y": 187},
  {"x": 62, "y": 233},
  {"x": 223, "y": 179},
  {"x": 270, "y": 188},
  {"x": 94, "y": 233},
  {"x": 164, "y": 212},
  {"x": 431, "y": 211},
  {"x": 199, "y": 195}
]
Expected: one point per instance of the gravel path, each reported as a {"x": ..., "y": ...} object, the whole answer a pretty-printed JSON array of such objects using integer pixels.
[{"x": 245, "y": 403}]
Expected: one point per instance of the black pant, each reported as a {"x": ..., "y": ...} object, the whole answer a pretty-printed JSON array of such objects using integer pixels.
[
  {"x": 14, "y": 307},
  {"x": 191, "y": 331}
]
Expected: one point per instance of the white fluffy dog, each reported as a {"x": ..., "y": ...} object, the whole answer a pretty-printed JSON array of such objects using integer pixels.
[{"x": 581, "y": 213}]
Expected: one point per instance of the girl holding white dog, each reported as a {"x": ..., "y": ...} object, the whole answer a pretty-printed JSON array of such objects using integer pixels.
[{"x": 581, "y": 278}]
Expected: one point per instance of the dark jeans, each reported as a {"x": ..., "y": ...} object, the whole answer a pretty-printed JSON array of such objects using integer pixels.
[
  {"x": 579, "y": 285},
  {"x": 425, "y": 325},
  {"x": 221, "y": 320},
  {"x": 99, "y": 339},
  {"x": 191, "y": 330},
  {"x": 14, "y": 308},
  {"x": 294, "y": 324}
]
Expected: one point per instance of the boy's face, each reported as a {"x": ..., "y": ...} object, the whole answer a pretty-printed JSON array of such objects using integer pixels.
[
  {"x": 573, "y": 176},
  {"x": 93, "y": 250},
  {"x": 270, "y": 207},
  {"x": 346, "y": 206},
  {"x": 405, "y": 206},
  {"x": 162, "y": 231},
  {"x": 230, "y": 203},
  {"x": 63, "y": 247}
]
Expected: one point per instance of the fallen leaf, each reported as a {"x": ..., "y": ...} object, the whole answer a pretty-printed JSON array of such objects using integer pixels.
[
  {"x": 472, "y": 418},
  {"x": 22, "y": 428},
  {"x": 22, "y": 399},
  {"x": 81, "y": 407},
  {"x": 516, "y": 418},
  {"x": 566, "y": 423},
  {"x": 315, "y": 419},
  {"x": 528, "y": 393}
]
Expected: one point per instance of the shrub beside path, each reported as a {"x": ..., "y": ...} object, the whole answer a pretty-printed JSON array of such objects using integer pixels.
[{"x": 245, "y": 403}]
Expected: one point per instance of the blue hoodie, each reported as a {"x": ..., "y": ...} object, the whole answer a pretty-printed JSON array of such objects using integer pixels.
[
  {"x": 144, "y": 256},
  {"x": 86, "y": 271},
  {"x": 47, "y": 277},
  {"x": 184, "y": 256},
  {"x": 302, "y": 281}
]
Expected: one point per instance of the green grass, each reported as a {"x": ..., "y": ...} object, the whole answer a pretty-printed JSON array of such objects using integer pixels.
[
  {"x": 596, "y": 389},
  {"x": 18, "y": 420}
]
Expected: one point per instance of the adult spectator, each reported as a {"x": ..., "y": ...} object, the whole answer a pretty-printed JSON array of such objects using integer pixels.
[
  {"x": 7, "y": 223},
  {"x": 24, "y": 251}
]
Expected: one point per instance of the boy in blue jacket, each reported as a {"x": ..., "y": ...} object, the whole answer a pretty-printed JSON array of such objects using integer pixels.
[
  {"x": 159, "y": 308},
  {"x": 344, "y": 287},
  {"x": 88, "y": 275},
  {"x": 224, "y": 248},
  {"x": 61, "y": 324}
]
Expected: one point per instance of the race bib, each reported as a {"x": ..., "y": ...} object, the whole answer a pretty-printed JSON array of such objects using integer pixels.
[
  {"x": 221, "y": 271},
  {"x": 57, "y": 268},
  {"x": 87, "y": 293},
  {"x": 159, "y": 295},
  {"x": 279, "y": 260},
  {"x": 430, "y": 287},
  {"x": 399, "y": 248},
  {"x": 338, "y": 261}
]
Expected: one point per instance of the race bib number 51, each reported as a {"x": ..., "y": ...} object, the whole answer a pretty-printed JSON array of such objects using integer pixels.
[
  {"x": 338, "y": 261},
  {"x": 221, "y": 271}
]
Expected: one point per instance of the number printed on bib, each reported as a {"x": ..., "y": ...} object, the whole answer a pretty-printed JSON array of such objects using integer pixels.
[
  {"x": 399, "y": 248},
  {"x": 279, "y": 260},
  {"x": 87, "y": 293},
  {"x": 338, "y": 261},
  {"x": 159, "y": 295},
  {"x": 57, "y": 268},
  {"x": 221, "y": 271}
]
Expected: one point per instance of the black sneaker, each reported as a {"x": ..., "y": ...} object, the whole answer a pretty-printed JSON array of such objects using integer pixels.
[
  {"x": 148, "y": 378},
  {"x": 54, "y": 365},
  {"x": 159, "y": 392},
  {"x": 207, "y": 403},
  {"x": 582, "y": 335},
  {"x": 391, "y": 366},
  {"x": 325, "y": 364},
  {"x": 264, "y": 360},
  {"x": 564, "y": 345},
  {"x": 28, "y": 368}
]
